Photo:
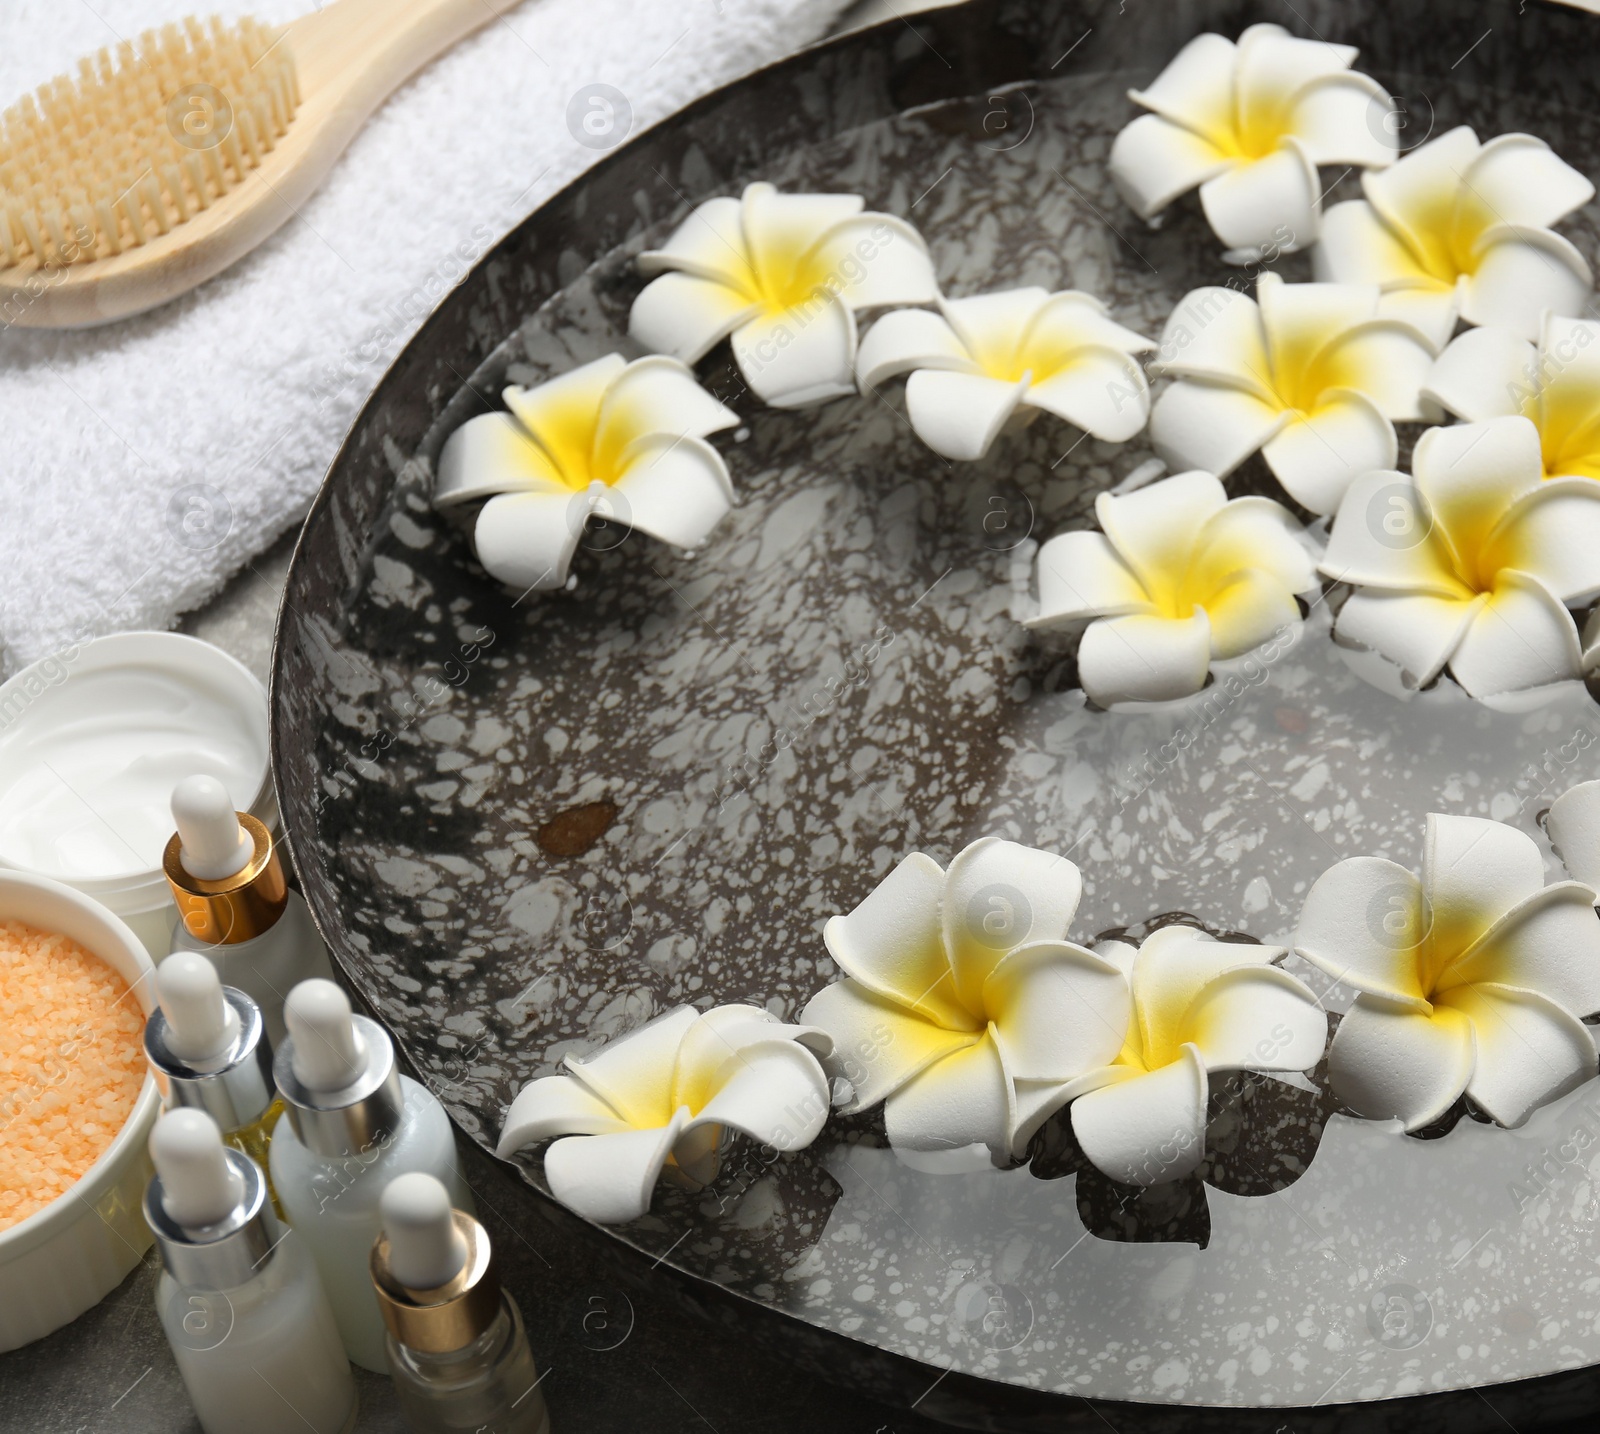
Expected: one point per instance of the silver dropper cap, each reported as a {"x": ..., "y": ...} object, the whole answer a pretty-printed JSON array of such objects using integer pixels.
[
  {"x": 234, "y": 1087},
  {"x": 363, "y": 1111},
  {"x": 226, "y": 1253}
]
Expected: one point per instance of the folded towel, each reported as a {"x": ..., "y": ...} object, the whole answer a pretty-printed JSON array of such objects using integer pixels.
[{"x": 149, "y": 460}]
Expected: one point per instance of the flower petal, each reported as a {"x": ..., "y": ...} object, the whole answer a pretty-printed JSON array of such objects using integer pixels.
[
  {"x": 1418, "y": 632},
  {"x": 1386, "y": 360},
  {"x": 1080, "y": 575},
  {"x": 1474, "y": 871},
  {"x": 1390, "y": 1063},
  {"x": 1267, "y": 204},
  {"x": 1549, "y": 943},
  {"x": 1148, "y": 1128},
  {"x": 714, "y": 1047},
  {"x": 561, "y": 415},
  {"x": 1417, "y": 196},
  {"x": 1274, "y": 69},
  {"x": 801, "y": 356},
  {"x": 1059, "y": 1011},
  {"x": 1521, "y": 638},
  {"x": 959, "y": 415},
  {"x": 1205, "y": 425},
  {"x": 1173, "y": 967},
  {"x": 1340, "y": 119},
  {"x": 1154, "y": 528},
  {"x": 1070, "y": 320},
  {"x": 893, "y": 943},
  {"x": 1103, "y": 391},
  {"x": 1153, "y": 161},
  {"x": 780, "y": 229},
  {"x": 1216, "y": 334},
  {"x": 1364, "y": 922},
  {"x": 1255, "y": 532},
  {"x": 1568, "y": 411},
  {"x": 489, "y": 454},
  {"x": 1574, "y": 828},
  {"x": 908, "y": 339},
  {"x": 878, "y": 1045},
  {"x": 1357, "y": 247},
  {"x": 775, "y": 1092},
  {"x": 1247, "y": 610},
  {"x": 675, "y": 489},
  {"x": 999, "y": 895},
  {"x": 653, "y": 397},
  {"x": 610, "y": 1178},
  {"x": 1520, "y": 274},
  {"x": 1317, "y": 455},
  {"x": 555, "y": 1105},
  {"x": 1299, "y": 321},
  {"x": 1530, "y": 1049},
  {"x": 1469, "y": 474},
  {"x": 1144, "y": 659},
  {"x": 992, "y": 326},
  {"x": 1483, "y": 373},
  {"x": 1431, "y": 311},
  {"x": 1196, "y": 88},
  {"x": 1383, "y": 537},
  {"x": 527, "y": 540},
  {"x": 1257, "y": 1018},
  {"x": 633, "y": 1073},
  {"x": 964, "y": 1099},
  {"x": 876, "y": 259},
  {"x": 1552, "y": 533},
  {"x": 1517, "y": 179},
  {"x": 686, "y": 315},
  {"x": 710, "y": 243}
]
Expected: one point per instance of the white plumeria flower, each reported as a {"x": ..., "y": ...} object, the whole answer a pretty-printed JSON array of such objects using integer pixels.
[
  {"x": 1472, "y": 978},
  {"x": 1199, "y": 1006},
  {"x": 1470, "y": 560},
  {"x": 1310, "y": 374},
  {"x": 1573, "y": 825},
  {"x": 612, "y": 439},
  {"x": 963, "y": 1005},
  {"x": 1177, "y": 578},
  {"x": 1456, "y": 229},
  {"x": 666, "y": 1095},
  {"x": 783, "y": 275},
  {"x": 1249, "y": 124},
  {"x": 1491, "y": 373},
  {"x": 996, "y": 360}
]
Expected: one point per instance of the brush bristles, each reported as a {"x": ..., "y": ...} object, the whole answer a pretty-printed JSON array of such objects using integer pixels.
[{"x": 91, "y": 167}]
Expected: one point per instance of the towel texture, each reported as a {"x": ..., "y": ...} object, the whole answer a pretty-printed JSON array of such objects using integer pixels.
[{"x": 149, "y": 460}]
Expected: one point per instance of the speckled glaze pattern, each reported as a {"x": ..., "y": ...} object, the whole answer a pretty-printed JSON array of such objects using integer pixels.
[{"x": 836, "y": 678}]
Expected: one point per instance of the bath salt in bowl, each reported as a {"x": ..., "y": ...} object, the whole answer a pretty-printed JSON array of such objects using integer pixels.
[{"x": 76, "y": 1104}]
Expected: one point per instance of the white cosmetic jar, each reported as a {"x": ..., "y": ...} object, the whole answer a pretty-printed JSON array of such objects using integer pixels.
[{"x": 92, "y": 741}]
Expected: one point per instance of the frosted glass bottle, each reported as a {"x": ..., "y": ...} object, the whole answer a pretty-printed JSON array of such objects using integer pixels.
[
  {"x": 239, "y": 1297},
  {"x": 351, "y": 1124}
]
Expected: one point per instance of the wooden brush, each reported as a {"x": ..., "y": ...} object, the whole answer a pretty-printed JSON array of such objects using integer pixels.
[{"x": 165, "y": 161}]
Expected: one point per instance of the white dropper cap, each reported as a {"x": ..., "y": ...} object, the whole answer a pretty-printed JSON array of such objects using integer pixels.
[
  {"x": 213, "y": 843},
  {"x": 326, "y": 1054},
  {"x": 425, "y": 1248},
  {"x": 200, "y": 1025},
  {"x": 198, "y": 1186}
]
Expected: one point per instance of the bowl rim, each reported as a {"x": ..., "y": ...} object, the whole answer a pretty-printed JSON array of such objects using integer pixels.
[{"x": 114, "y": 934}]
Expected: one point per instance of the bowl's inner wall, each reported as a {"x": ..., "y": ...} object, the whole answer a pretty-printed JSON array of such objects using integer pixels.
[{"x": 734, "y": 744}]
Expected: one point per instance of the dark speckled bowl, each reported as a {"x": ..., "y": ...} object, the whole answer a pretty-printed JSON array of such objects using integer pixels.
[{"x": 526, "y": 826}]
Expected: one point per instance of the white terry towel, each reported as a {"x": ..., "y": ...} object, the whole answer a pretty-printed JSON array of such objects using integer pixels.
[{"x": 147, "y": 461}]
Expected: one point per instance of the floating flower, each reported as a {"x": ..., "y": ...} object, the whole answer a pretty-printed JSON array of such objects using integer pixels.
[
  {"x": 1456, "y": 229},
  {"x": 963, "y": 1007},
  {"x": 1249, "y": 124},
  {"x": 1472, "y": 978},
  {"x": 783, "y": 275},
  {"x": 1177, "y": 578},
  {"x": 621, "y": 441},
  {"x": 1491, "y": 373},
  {"x": 994, "y": 360},
  {"x": 665, "y": 1095},
  {"x": 1469, "y": 560},
  {"x": 1199, "y": 1005},
  {"x": 1308, "y": 373}
]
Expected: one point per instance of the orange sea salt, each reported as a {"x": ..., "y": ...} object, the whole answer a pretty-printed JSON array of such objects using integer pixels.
[{"x": 71, "y": 1064}]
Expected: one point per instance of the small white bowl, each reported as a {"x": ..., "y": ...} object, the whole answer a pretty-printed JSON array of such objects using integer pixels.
[{"x": 70, "y": 1255}]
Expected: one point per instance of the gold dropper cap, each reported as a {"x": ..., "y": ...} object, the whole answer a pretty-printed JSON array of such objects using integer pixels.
[
  {"x": 233, "y": 908},
  {"x": 450, "y": 1317}
]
